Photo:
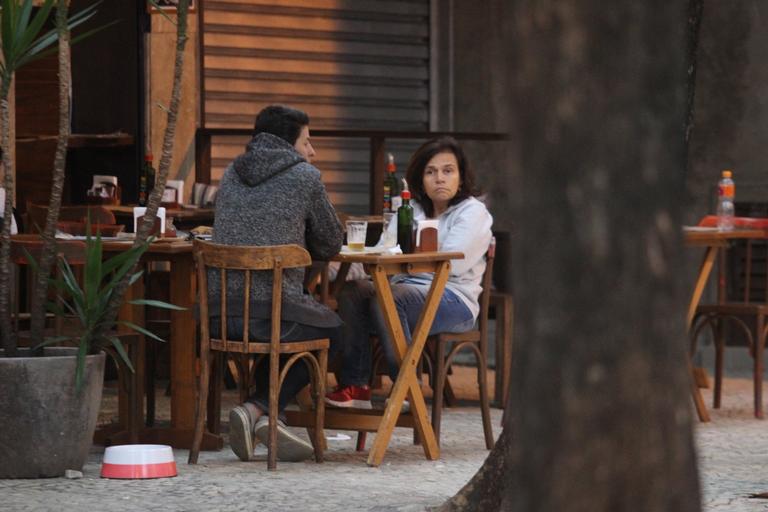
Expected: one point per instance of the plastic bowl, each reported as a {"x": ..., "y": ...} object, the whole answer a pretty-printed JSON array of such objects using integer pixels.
[{"x": 138, "y": 461}]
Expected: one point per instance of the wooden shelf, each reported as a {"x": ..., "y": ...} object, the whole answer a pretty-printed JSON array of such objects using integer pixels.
[{"x": 86, "y": 140}]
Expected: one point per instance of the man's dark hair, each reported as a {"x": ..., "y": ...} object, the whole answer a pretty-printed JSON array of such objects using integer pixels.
[
  {"x": 281, "y": 121},
  {"x": 415, "y": 172}
]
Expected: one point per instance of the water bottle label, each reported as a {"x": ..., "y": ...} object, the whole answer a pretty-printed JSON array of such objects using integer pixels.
[{"x": 726, "y": 190}]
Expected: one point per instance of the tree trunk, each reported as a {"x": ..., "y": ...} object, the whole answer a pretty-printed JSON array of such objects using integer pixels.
[
  {"x": 599, "y": 416},
  {"x": 40, "y": 294},
  {"x": 153, "y": 201},
  {"x": 9, "y": 343}
]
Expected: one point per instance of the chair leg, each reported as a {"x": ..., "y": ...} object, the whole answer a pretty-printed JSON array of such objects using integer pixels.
[
  {"x": 361, "y": 437},
  {"x": 758, "y": 374},
  {"x": 243, "y": 381},
  {"x": 215, "y": 387},
  {"x": 719, "y": 352},
  {"x": 485, "y": 406},
  {"x": 319, "y": 443},
  {"x": 149, "y": 382},
  {"x": 306, "y": 403},
  {"x": 448, "y": 394},
  {"x": 202, "y": 399},
  {"x": 437, "y": 398},
  {"x": 274, "y": 393}
]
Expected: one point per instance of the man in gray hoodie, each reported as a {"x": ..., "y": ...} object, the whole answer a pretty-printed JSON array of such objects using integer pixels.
[{"x": 272, "y": 195}]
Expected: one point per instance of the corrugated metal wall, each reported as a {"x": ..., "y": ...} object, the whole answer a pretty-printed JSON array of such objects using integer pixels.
[{"x": 350, "y": 64}]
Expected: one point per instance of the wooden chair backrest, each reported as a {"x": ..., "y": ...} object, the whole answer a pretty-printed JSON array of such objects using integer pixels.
[
  {"x": 247, "y": 259},
  {"x": 36, "y": 215},
  {"x": 743, "y": 268},
  {"x": 486, "y": 283},
  {"x": 73, "y": 251}
]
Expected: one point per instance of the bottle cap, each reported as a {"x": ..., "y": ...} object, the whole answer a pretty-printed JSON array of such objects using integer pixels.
[
  {"x": 405, "y": 194},
  {"x": 390, "y": 162},
  {"x": 727, "y": 173},
  {"x": 148, "y": 157}
]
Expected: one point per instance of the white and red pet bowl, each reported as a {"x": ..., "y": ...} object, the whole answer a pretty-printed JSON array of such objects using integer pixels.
[{"x": 138, "y": 461}]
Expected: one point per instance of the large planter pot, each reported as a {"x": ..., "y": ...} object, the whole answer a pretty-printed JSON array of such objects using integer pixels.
[{"x": 46, "y": 427}]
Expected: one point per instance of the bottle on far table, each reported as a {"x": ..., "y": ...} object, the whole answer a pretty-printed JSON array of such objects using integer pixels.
[
  {"x": 405, "y": 223},
  {"x": 391, "y": 186},
  {"x": 146, "y": 180},
  {"x": 726, "y": 193}
]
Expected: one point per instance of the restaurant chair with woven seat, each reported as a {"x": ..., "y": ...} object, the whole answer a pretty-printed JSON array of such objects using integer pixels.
[
  {"x": 742, "y": 301},
  {"x": 475, "y": 340},
  {"x": 224, "y": 260}
]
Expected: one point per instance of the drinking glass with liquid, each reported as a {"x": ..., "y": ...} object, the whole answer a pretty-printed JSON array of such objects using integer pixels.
[{"x": 356, "y": 230}]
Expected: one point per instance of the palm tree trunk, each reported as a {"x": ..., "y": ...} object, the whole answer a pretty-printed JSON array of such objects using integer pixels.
[
  {"x": 40, "y": 293},
  {"x": 5, "y": 240},
  {"x": 153, "y": 201}
]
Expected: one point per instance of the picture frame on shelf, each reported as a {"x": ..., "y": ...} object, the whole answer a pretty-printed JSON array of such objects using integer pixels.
[{"x": 168, "y": 6}]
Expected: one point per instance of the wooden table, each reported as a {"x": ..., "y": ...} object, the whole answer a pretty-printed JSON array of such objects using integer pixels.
[
  {"x": 183, "y": 218},
  {"x": 379, "y": 267},
  {"x": 182, "y": 346},
  {"x": 712, "y": 240}
]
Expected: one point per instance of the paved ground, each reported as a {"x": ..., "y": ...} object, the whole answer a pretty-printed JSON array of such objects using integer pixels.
[
  {"x": 405, "y": 481},
  {"x": 733, "y": 456},
  {"x": 733, "y": 452}
]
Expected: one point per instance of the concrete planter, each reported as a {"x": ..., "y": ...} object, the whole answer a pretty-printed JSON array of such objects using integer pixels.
[{"x": 45, "y": 426}]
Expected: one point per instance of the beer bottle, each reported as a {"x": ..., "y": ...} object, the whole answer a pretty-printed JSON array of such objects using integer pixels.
[{"x": 391, "y": 187}]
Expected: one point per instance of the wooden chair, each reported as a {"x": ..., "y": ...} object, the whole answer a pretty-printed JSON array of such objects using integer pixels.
[
  {"x": 742, "y": 301},
  {"x": 72, "y": 251},
  {"x": 475, "y": 340},
  {"x": 224, "y": 259}
]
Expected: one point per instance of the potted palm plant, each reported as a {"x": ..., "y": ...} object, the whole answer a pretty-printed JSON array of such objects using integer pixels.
[{"x": 51, "y": 395}]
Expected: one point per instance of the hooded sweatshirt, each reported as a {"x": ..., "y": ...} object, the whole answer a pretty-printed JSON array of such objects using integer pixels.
[
  {"x": 270, "y": 195},
  {"x": 463, "y": 227}
]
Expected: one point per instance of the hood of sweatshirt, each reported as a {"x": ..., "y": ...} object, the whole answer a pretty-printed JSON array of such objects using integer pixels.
[{"x": 265, "y": 156}]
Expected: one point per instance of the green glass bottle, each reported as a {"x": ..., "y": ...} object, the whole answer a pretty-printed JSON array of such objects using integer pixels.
[{"x": 405, "y": 223}]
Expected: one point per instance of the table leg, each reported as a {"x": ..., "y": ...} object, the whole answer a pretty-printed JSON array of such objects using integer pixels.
[
  {"x": 701, "y": 281},
  {"x": 183, "y": 357},
  {"x": 131, "y": 394},
  {"x": 408, "y": 358}
]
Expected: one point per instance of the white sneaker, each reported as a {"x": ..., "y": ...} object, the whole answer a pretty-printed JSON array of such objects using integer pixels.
[
  {"x": 290, "y": 447},
  {"x": 240, "y": 437},
  {"x": 404, "y": 408}
]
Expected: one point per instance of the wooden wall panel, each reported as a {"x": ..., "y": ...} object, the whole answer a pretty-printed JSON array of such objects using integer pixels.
[
  {"x": 350, "y": 64},
  {"x": 162, "y": 57}
]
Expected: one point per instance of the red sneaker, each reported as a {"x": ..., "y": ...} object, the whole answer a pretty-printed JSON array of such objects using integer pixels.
[{"x": 358, "y": 397}]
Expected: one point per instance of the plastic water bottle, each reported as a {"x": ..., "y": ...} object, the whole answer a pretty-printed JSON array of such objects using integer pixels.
[{"x": 726, "y": 192}]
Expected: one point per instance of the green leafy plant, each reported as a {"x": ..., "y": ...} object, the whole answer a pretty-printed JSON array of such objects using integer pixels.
[
  {"x": 22, "y": 40},
  {"x": 87, "y": 303}
]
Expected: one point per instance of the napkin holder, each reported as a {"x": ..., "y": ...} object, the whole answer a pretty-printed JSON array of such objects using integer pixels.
[
  {"x": 426, "y": 236},
  {"x": 173, "y": 194},
  {"x": 158, "y": 228},
  {"x": 104, "y": 190}
]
